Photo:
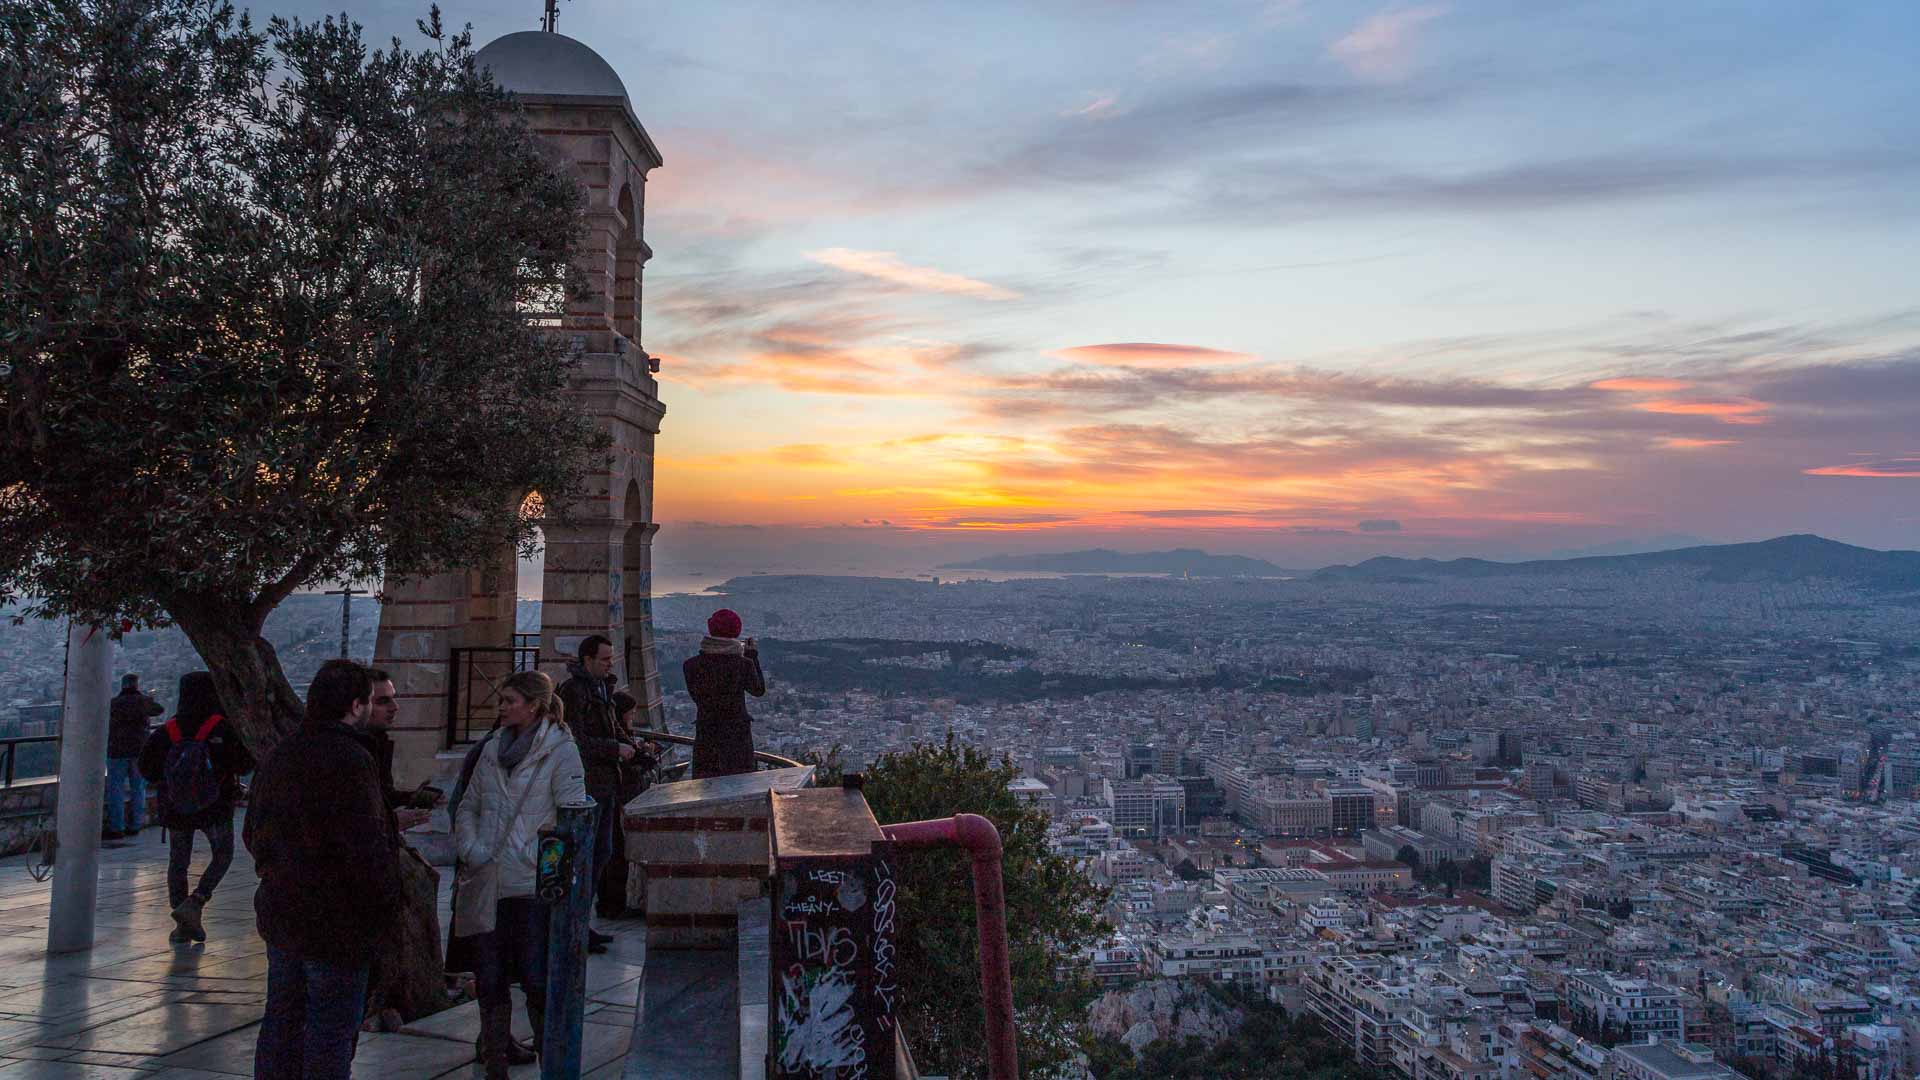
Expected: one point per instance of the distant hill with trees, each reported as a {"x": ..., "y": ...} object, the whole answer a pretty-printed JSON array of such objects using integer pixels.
[{"x": 1782, "y": 559}]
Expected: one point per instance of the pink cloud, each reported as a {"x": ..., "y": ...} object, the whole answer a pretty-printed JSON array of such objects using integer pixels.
[
  {"x": 1743, "y": 411},
  {"x": 1149, "y": 354},
  {"x": 1381, "y": 47},
  {"x": 1100, "y": 106},
  {"x": 886, "y": 266},
  {"x": 1640, "y": 384},
  {"x": 1902, "y": 468}
]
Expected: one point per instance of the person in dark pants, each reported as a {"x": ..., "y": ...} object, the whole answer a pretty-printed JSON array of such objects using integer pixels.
[
  {"x": 605, "y": 746},
  {"x": 719, "y": 680},
  {"x": 196, "y": 759},
  {"x": 126, "y": 737},
  {"x": 522, "y": 774},
  {"x": 324, "y": 844},
  {"x": 633, "y": 780}
]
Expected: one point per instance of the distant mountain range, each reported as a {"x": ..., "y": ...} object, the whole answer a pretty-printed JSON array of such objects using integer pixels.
[
  {"x": 1642, "y": 546},
  {"x": 1102, "y": 561},
  {"x": 1785, "y": 558}
]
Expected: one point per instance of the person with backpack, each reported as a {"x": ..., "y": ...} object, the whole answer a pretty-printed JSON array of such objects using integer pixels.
[
  {"x": 197, "y": 759},
  {"x": 331, "y": 892},
  {"x": 127, "y": 719}
]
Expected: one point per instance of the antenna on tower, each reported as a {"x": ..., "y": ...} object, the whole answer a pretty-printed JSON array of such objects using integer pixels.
[{"x": 552, "y": 17}]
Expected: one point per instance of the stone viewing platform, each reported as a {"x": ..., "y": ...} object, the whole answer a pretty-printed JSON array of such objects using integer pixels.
[
  {"x": 745, "y": 876},
  {"x": 139, "y": 1008}
]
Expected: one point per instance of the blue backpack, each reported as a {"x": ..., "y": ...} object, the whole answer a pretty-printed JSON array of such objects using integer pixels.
[{"x": 192, "y": 783}]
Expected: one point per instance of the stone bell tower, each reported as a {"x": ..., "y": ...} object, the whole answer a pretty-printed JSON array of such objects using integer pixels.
[{"x": 448, "y": 639}]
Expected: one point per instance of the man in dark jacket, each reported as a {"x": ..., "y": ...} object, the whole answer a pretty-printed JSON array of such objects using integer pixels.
[
  {"x": 410, "y": 807},
  {"x": 324, "y": 846},
  {"x": 719, "y": 680},
  {"x": 195, "y": 799},
  {"x": 605, "y": 745},
  {"x": 126, "y": 737}
]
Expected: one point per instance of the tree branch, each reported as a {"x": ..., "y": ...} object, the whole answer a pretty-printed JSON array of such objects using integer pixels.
[{"x": 302, "y": 569}]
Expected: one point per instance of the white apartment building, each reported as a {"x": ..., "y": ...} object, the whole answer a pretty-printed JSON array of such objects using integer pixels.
[{"x": 1647, "y": 1009}]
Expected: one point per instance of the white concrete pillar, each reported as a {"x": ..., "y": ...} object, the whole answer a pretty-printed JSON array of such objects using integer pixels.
[{"x": 83, "y": 782}]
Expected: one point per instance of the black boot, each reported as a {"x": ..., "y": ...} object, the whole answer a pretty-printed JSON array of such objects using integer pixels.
[
  {"x": 496, "y": 1035},
  {"x": 518, "y": 1053},
  {"x": 537, "y": 1016}
]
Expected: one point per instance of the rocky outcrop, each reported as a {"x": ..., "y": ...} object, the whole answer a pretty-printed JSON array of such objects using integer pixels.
[{"x": 1163, "y": 1009}]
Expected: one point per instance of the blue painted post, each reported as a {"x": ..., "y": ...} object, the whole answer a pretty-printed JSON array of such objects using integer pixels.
[{"x": 566, "y": 883}]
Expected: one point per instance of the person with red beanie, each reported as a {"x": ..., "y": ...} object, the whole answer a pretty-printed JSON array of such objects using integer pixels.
[{"x": 719, "y": 679}]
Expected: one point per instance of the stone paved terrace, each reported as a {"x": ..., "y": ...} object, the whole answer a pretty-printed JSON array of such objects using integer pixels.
[{"x": 139, "y": 1008}]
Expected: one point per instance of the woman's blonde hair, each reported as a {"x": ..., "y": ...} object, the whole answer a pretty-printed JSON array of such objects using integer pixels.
[{"x": 537, "y": 688}]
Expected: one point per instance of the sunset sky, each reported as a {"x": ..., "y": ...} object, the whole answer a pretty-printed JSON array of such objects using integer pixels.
[{"x": 1301, "y": 279}]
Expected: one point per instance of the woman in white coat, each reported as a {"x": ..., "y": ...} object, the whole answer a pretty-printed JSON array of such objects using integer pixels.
[{"x": 527, "y": 768}]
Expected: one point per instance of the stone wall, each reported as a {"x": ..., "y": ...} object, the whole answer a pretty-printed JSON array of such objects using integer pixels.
[{"x": 26, "y": 811}]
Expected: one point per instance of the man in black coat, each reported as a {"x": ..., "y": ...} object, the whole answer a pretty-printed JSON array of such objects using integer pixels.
[
  {"x": 605, "y": 745},
  {"x": 126, "y": 737},
  {"x": 324, "y": 845},
  {"x": 198, "y": 732}
]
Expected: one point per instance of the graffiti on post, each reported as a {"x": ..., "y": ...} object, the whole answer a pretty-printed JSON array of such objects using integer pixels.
[
  {"x": 833, "y": 972},
  {"x": 884, "y": 986}
]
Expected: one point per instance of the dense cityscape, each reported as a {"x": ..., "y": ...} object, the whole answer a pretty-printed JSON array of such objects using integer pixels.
[
  {"x": 1244, "y": 541},
  {"x": 1579, "y": 825},
  {"x": 1622, "y": 821}
]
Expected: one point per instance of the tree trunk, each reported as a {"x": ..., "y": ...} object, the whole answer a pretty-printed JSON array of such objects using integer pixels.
[
  {"x": 262, "y": 704},
  {"x": 246, "y": 670}
]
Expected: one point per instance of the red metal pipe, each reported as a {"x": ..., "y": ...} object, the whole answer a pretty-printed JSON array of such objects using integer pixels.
[{"x": 982, "y": 841}]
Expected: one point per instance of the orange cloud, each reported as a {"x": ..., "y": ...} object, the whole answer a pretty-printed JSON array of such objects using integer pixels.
[
  {"x": 1697, "y": 444},
  {"x": 807, "y": 454},
  {"x": 886, "y": 266},
  {"x": 1640, "y": 384},
  {"x": 912, "y": 370},
  {"x": 1889, "y": 469},
  {"x": 1151, "y": 354},
  {"x": 1727, "y": 412}
]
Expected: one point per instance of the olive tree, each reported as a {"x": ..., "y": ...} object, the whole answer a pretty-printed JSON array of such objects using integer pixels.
[
  {"x": 1053, "y": 915},
  {"x": 265, "y": 319}
]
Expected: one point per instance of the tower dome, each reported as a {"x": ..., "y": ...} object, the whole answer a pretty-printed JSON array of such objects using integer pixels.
[{"x": 538, "y": 62}]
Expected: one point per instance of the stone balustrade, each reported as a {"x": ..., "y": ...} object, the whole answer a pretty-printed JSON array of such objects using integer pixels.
[{"x": 703, "y": 849}]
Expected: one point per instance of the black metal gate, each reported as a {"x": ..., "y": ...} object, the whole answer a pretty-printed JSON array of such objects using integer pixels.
[{"x": 474, "y": 676}]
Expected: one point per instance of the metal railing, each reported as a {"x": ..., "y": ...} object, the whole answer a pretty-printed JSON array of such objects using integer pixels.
[
  {"x": 7, "y": 748},
  {"x": 981, "y": 840},
  {"x": 474, "y": 675},
  {"x": 678, "y": 770}
]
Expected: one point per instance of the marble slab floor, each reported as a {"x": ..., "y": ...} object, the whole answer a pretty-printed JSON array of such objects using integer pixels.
[{"x": 139, "y": 1008}]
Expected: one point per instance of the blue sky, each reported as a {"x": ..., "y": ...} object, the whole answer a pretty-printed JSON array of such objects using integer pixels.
[{"x": 1511, "y": 276}]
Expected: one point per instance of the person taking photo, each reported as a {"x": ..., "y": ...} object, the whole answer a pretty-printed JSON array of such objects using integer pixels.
[{"x": 719, "y": 680}]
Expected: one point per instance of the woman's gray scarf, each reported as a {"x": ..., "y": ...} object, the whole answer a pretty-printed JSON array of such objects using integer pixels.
[
  {"x": 514, "y": 746},
  {"x": 722, "y": 646}
]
